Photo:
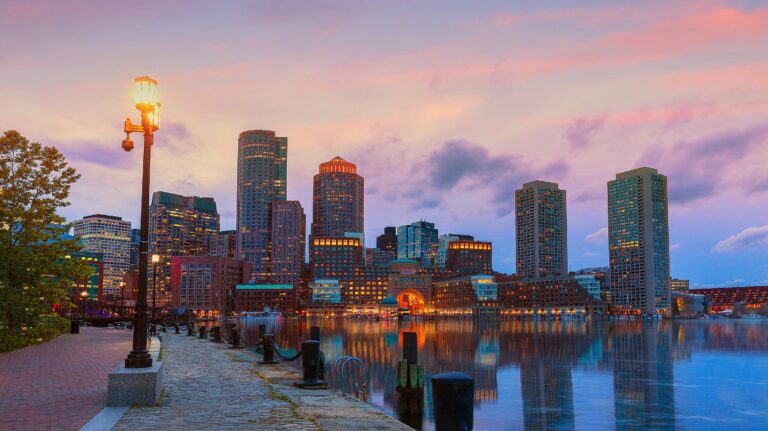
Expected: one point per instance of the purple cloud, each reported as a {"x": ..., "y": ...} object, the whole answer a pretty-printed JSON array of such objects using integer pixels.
[{"x": 579, "y": 133}]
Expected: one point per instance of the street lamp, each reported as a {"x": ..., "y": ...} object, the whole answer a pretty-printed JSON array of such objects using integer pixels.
[
  {"x": 145, "y": 96},
  {"x": 122, "y": 301},
  {"x": 155, "y": 260},
  {"x": 83, "y": 295}
]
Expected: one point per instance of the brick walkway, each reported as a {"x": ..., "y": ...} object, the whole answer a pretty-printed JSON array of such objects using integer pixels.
[{"x": 61, "y": 384}]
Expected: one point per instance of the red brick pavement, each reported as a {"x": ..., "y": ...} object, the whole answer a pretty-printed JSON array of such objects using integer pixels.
[{"x": 61, "y": 384}]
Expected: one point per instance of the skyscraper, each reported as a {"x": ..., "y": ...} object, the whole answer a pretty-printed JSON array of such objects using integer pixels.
[
  {"x": 178, "y": 226},
  {"x": 542, "y": 231},
  {"x": 261, "y": 179},
  {"x": 388, "y": 240},
  {"x": 110, "y": 236},
  {"x": 442, "y": 248},
  {"x": 638, "y": 241},
  {"x": 135, "y": 240},
  {"x": 417, "y": 241},
  {"x": 288, "y": 243},
  {"x": 337, "y": 200}
]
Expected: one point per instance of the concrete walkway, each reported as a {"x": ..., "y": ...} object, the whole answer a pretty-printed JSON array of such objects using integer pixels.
[
  {"x": 61, "y": 384},
  {"x": 208, "y": 386}
]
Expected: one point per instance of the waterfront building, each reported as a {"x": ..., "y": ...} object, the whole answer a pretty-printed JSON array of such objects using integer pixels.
[
  {"x": 135, "y": 240},
  {"x": 638, "y": 241},
  {"x": 337, "y": 200},
  {"x": 288, "y": 243},
  {"x": 603, "y": 276},
  {"x": 410, "y": 285},
  {"x": 257, "y": 297},
  {"x": 110, "y": 236},
  {"x": 470, "y": 257},
  {"x": 261, "y": 179},
  {"x": 542, "y": 230},
  {"x": 178, "y": 226},
  {"x": 326, "y": 290},
  {"x": 388, "y": 240},
  {"x": 93, "y": 284},
  {"x": 417, "y": 241},
  {"x": 441, "y": 254},
  {"x": 689, "y": 305},
  {"x": 726, "y": 298},
  {"x": 223, "y": 244},
  {"x": 520, "y": 296},
  {"x": 206, "y": 284},
  {"x": 677, "y": 285},
  {"x": 377, "y": 256},
  {"x": 590, "y": 284},
  {"x": 466, "y": 295}
]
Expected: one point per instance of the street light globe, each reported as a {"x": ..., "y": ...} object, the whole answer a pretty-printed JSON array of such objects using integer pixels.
[
  {"x": 84, "y": 293},
  {"x": 145, "y": 93},
  {"x": 155, "y": 258}
]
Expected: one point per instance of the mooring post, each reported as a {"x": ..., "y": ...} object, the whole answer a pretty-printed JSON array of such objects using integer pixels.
[
  {"x": 310, "y": 361},
  {"x": 314, "y": 333},
  {"x": 176, "y": 328},
  {"x": 216, "y": 333},
  {"x": 453, "y": 397},
  {"x": 190, "y": 329},
  {"x": 202, "y": 332},
  {"x": 268, "y": 349},
  {"x": 409, "y": 393}
]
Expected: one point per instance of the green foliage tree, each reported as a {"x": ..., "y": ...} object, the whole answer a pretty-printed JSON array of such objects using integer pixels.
[{"x": 35, "y": 274}]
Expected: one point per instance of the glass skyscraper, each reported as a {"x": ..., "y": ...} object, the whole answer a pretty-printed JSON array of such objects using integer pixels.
[
  {"x": 417, "y": 241},
  {"x": 638, "y": 241},
  {"x": 261, "y": 179},
  {"x": 542, "y": 230}
]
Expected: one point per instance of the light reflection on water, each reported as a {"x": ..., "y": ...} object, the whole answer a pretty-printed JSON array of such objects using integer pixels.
[{"x": 626, "y": 375}]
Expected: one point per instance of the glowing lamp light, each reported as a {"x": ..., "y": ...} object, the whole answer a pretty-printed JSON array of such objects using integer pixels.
[
  {"x": 155, "y": 258},
  {"x": 84, "y": 294},
  {"x": 145, "y": 92}
]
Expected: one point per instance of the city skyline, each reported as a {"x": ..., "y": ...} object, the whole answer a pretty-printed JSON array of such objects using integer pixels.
[{"x": 701, "y": 128}]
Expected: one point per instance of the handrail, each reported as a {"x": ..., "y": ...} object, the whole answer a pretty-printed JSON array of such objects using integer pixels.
[{"x": 349, "y": 375}]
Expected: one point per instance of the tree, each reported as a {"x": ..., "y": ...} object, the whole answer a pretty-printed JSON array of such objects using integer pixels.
[{"x": 34, "y": 271}]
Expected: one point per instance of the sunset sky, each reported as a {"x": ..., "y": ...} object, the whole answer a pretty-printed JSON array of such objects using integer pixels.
[{"x": 446, "y": 108}]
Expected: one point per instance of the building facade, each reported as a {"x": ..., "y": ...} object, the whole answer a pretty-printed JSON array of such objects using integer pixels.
[
  {"x": 520, "y": 296},
  {"x": 261, "y": 179},
  {"x": 135, "y": 242},
  {"x": 93, "y": 285},
  {"x": 110, "y": 236},
  {"x": 388, "y": 240},
  {"x": 223, "y": 244},
  {"x": 542, "y": 230},
  {"x": 442, "y": 247},
  {"x": 326, "y": 290},
  {"x": 257, "y": 297},
  {"x": 337, "y": 200},
  {"x": 470, "y": 257},
  {"x": 638, "y": 241},
  {"x": 590, "y": 284},
  {"x": 466, "y": 295},
  {"x": 677, "y": 285},
  {"x": 206, "y": 284},
  {"x": 410, "y": 285},
  {"x": 288, "y": 243},
  {"x": 178, "y": 226},
  {"x": 417, "y": 241}
]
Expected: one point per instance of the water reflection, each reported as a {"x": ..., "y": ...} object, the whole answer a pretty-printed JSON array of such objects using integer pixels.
[{"x": 555, "y": 359}]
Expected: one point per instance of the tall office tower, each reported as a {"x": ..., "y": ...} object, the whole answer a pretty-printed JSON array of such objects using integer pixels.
[
  {"x": 388, "y": 240},
  {"x": 288, "y": 243},
  {"x": 261, "y": 179},
  {"x": 542, "y": 231},
  {"x": 417, "y": 241},
  {"x": 638, "y": 241},
  {"x": 470, "y": 257},
  {"x": 337, "y": 200},
  {"x": 110, "y": 236},
  {"x": 178, "y": 226},
  {"x": 135, "y": 240},
  {"x": 223, "y": 244},
  {"x": 442, "y": 247}
]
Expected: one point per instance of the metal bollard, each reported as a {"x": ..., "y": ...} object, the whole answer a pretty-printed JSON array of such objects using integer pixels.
[
  {"x": 216, "y": 334},
  {"x": 453, "y": 396},
  {"x": 262, "y": 331},
  {"x": 235, "y": 337},
  {"x": 176, "y": 328},
  {"x": 269, "y": 351},
  {"x": 190, "y": 330},
  {"x": 410, "y": 348},
  {"x": 310, "y": 361},
  {"x": 74, "y": 327},
  {"x": 202, "y": 332},
  {"x": 314, "y": 333}
]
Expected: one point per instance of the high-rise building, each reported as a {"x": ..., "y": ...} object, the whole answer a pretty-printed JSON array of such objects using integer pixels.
[
  {"x": 288, "y": 243},
  {"x": 135, "y": 240},
  {"x": 261, "y": 179},
  {"x": 470, "y": 257},
  {"x": 442, "y": 247},
  {"x": 388, "y": 240},
  {"x": 542, "y": 231},
  {"x": 677, "y": 285},
  {"x": 337, "y": 200},
  {"x": 638, "y": 241},
  {"x": 206, "y": 284},
  {"x": 110, "y": 236},
  {"x": 417, "y": 241},
  {"x": 223, "y": 244},
  {"x": 178, "y": 226}
]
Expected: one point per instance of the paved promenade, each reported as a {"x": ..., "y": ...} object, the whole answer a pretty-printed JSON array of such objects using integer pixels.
[
  {"x": 208, "y": 386},
  {"x": 61, "y": 384}
]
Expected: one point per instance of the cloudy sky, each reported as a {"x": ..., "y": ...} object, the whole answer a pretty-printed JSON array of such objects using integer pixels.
[{"x": 446, "y": 108}]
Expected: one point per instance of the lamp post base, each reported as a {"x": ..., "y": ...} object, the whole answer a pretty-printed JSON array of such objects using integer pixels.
[{"x": 138, "y": 359}]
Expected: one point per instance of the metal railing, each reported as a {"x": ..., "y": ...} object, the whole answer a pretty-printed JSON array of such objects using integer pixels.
[{"x": 349, "y": 375}]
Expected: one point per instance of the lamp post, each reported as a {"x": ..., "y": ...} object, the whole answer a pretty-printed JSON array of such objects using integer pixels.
[
  {"x": 155, "y": 260},
  {"x": 145, "y": 96},
  {"x": 83, "y": 295},
  {"x": 122, "y": 301}
]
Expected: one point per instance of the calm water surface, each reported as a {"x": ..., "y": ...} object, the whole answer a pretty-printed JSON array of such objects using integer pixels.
[{"x": 626, "y": 375}]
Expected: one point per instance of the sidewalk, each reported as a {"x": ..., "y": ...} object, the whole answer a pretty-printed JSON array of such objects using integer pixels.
[{"x": 61, "y": 384}]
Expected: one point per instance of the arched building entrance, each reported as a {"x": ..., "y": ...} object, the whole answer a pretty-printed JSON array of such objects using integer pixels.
[{"x": 411, "y": 300}]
